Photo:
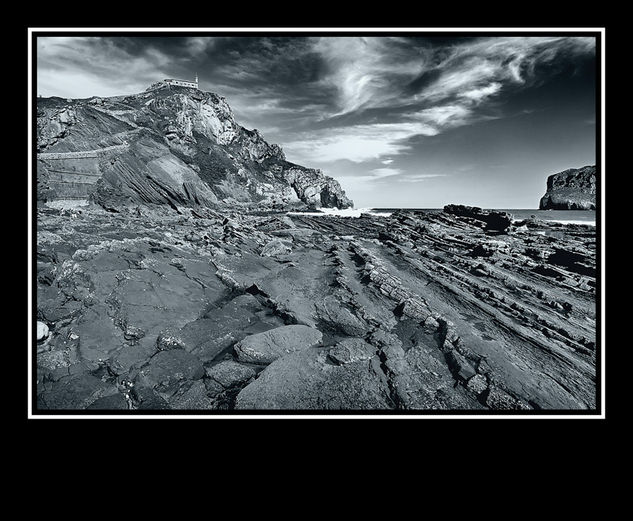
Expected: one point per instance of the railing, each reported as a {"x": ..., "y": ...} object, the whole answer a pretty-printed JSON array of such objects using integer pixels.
[{"x": 80, "y": 154}]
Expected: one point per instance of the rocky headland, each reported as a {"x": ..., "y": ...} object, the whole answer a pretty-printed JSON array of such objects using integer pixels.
[
  {"x": 184, "y": 283},
  {"x": 168, "y": 145},
  {"x": 573, "y": 189}
]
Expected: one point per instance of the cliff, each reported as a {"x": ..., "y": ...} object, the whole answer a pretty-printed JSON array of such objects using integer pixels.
[
  {"x": 573, "y": 189},
  {"x": 168, "y": 145}
]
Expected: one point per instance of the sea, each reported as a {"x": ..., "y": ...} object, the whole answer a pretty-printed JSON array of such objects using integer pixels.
[{"x": 587, "y": 217}]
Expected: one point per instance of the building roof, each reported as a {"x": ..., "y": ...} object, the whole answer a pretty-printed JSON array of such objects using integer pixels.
[{"x": 176, "y": 79}]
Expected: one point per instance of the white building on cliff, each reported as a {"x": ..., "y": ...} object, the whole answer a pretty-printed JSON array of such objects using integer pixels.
[{"x": 182, "y": 83}]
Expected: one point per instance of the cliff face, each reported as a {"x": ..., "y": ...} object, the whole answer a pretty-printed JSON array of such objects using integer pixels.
[
  {"x": 573, "y": 189},
  {"x": 168, "y": 145}
]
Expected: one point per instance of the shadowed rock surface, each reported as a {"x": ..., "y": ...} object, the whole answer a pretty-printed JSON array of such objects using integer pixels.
[
  {"x": 573, "y": 189},
  {"x": 153, "y": 308}
]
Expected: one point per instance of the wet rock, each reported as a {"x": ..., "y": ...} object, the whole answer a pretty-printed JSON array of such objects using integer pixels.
[
  {"x": 264, "y": 348},
  {"x": 131, "y": 356},
  {"x": 75, "y": 392},
  {"x": 148, "y": 399},
  {"x": 494, "y": 220},
  {"x": 192, "y": 396},
  {"x": 230, "y": 374},
  {"x": 112, "y": 402},
  {"x": 98, "y": 335},
  {"x": 167, "y": 369},
  {"x": 220, "y": 328}
]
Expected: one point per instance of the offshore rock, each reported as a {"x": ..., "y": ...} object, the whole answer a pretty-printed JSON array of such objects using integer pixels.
[
  {"x": 494, "y": 220},
  {"x": 573, "y": 189}
]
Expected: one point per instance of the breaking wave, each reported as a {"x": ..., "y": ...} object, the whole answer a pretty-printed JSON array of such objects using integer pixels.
[{"x": 346, "y": 212}]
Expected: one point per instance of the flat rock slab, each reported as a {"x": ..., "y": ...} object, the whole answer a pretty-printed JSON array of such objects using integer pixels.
[
  {"x": 305, "y": 380},
  {"x": 167, "y": 369},
  {"x": 75, "y": 392},
  {"x": 266, "y": 347}
]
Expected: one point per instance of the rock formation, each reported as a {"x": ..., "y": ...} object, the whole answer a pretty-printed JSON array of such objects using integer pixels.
[
  {"x": 168, "y": 145},
  {"x": 220, "y": 310},
  {"x": 494, "y": 220},
  {"x": 573, "y": 189}
]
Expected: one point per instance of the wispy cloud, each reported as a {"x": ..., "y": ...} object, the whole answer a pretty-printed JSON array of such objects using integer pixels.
[
  {"x": 379, "y": 173},
  {"x": 90, "y": 66},
  {"x": 414, "y": 178},
  {"x": 362, "y": 69},
  {"x": 371, "y": 72},
  {"x": 357, "y": 143},
  {"x": 378, "y": 72}
]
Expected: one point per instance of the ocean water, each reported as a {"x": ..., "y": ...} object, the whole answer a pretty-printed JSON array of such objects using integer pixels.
[
  {"x": 587, "y": 217},
  {"x": 561, "y": 216}
]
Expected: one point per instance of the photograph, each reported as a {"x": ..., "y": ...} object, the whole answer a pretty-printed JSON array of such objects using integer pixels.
[{"x": 303, "y": 223}]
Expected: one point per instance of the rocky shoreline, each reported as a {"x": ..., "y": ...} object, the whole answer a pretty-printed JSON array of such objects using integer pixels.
[{"x": 155, "y": 308}]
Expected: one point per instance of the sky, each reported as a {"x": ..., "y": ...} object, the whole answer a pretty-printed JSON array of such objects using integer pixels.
[{"x": 416, "y": 120}]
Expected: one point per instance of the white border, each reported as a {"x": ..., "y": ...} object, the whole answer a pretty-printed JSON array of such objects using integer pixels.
[{"x": 298, "y": 416}]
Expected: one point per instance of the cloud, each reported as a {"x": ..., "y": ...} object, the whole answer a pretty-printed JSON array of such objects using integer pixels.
[
  {"x": 413, "y": 178},
  {"x": 362, "y": 69},
  {"x": 478, "y": 94},
  {"x": 200, "y": 45},
  {"x": 379, "y": 173},
  {"x": 441, "y": 116},
  {"x": 89, "y": 66},
  {"x": 376, "y": 73},
  {"x": 357, "y": 143}
]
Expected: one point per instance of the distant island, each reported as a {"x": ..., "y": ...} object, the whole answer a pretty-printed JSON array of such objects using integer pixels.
[{"x": 573, "y": 189}]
